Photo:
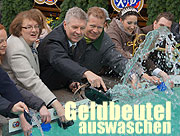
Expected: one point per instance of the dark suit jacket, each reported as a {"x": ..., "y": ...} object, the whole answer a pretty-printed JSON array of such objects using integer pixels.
[
  {"x": 58, "y": 64},
  {"x": 105, "y": 55},
  {"x": 10, "y": 95},
  {"x": 175, "y": 29}
]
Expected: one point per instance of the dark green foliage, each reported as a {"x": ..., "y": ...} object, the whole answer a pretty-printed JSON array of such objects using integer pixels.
[
  {"x": 84, "y": 4},
  {"x": 174, "y": 7},
  {"x": 157, "y": 6},
  {"x": 98, "y": 3},
  {"x": 10, "y": 8},
  {"x": 64, "y": 7}
]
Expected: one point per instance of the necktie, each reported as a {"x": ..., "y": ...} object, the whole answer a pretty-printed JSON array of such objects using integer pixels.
[{"x": 73, "y": 47}]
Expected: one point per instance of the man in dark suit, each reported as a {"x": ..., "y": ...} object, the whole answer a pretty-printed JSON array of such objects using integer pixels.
[
  {"x": 61, "y": 50},
  {"x": 60, "y": 64}
]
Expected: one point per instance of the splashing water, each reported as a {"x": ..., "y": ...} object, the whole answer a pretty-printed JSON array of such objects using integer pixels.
[
  {"x": 124, "y": 93},
  {"x": 33, "y": 115}
]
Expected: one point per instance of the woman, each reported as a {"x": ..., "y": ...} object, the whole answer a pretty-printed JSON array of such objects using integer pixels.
[
  {"x": 45, "y": 27},
  {"x": 126, "y": 35},
  {"x": 123, "y": 30},
  {"x": 21, "y": 60},
  {"x": 12, "y": 99}
]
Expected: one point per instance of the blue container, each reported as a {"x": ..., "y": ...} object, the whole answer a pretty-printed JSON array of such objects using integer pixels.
[
  {"x": 46, "y": 127},
  {"x": 162, "y": 87}
]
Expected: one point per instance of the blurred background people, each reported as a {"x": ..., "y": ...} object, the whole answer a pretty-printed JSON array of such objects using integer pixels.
[{"x": 107, "y": 21}]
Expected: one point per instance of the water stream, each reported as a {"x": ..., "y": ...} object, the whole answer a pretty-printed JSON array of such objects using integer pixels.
[
  {"x": 35, "y": 119},
  {"x": 124, "y": 93}
]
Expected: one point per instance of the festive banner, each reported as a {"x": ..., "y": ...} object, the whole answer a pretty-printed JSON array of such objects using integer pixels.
[
  {"x": 49, "y": 2},
  {"x": 119, "y": 4}
]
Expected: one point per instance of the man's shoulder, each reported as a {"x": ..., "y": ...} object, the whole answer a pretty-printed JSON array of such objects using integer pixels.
[
  {"x": 106, "y": 38},
  {"x": 82, "y": 41},
  {"x": 146, "y": 29},
  {"x": 2, "y": 72},
  {"x": 56, "y": 32},
  {"x": 175, "y": 27},
  {"x": 56, "y": 35}
]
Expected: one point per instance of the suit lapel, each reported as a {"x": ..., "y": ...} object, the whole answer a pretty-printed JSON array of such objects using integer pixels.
[
  {"x": 33, "y": 58},
  {"x": 81, "y": 49}
]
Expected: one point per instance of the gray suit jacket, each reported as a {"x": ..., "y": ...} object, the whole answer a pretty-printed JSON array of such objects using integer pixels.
[{"x": 23, "y": 68}]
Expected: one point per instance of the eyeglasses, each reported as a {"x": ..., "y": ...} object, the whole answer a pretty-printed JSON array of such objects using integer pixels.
[{"x": 31, "y": 27}]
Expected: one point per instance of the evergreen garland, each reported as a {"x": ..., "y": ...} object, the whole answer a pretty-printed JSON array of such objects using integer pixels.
[
  {"x": 98, "y": 3},
  {"x": 10, "y": 8},
  {"x": 173, "y": 6},
  {"x": 84, "y": 4},
  {"x": 66, "y": 4},
  {"x": 157, "y": 6}
]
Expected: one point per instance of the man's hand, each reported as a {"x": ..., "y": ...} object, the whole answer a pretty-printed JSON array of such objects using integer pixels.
[
  {"x": 74, "y": 86},
  {"x": 19, "y": 108},
  {"x": 45, "y": 115},
  {"x": 166, "y": 77},
  {"x": 59, "y": 108},
  {"x": 163, "y": 75},
  {"x": 152, "y": 79},
  {"x": 134, "y": 82},
  {"x": 26, "y": 127},
  {"x": 94, "y": 80}
]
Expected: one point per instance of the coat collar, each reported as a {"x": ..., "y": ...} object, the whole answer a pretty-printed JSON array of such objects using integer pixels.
[
  {"x": 97, "y": 43},
  {"x": 33, "y": 61}
]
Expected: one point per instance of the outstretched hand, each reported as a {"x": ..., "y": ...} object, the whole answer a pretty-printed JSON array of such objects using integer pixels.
[
  {"x": 64, "y": 123},
  {"x": 95, "y": 80},
  {"x": 166, "y": 77},
  {"x": 45, "y": 115},
  {"x": 153, "y": 79}
]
